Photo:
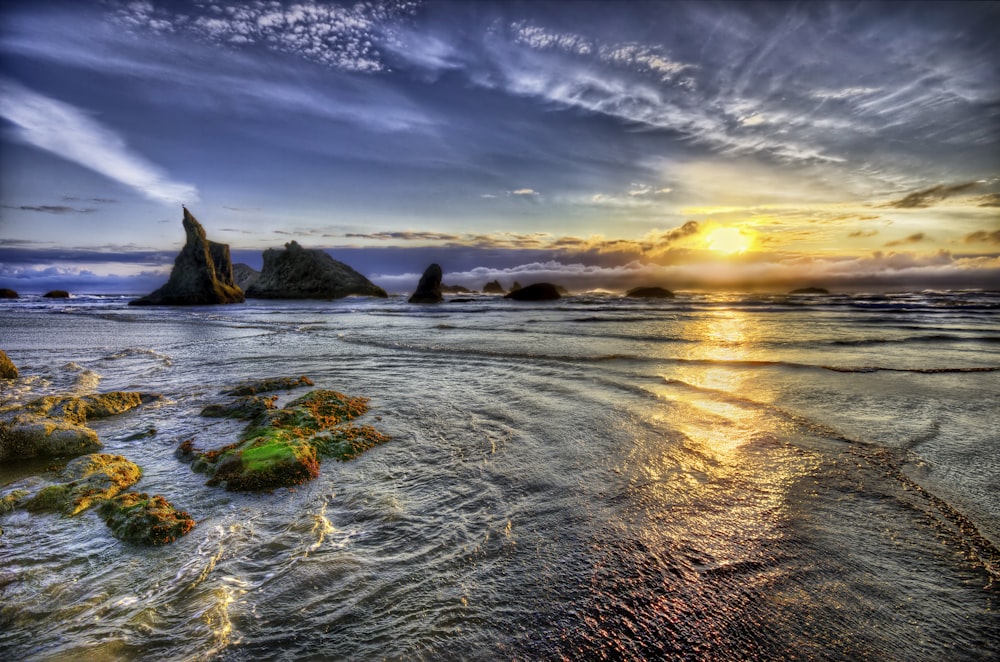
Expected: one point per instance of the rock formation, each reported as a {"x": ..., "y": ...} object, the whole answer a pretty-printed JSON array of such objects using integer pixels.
[
  {"x": 494, "y": 287},
  {"x": 429, "y": 287},
  {"x": 454, "y": 289},
  {"x": 202, "y": 273},
  {"x": 6, "y": 293},
  {"x": 88, "y": 480},
  {"x": 536, "y": 292},
  {"x": 649, "y": 293},
  {"x": 300, "y": 273},
  {"x": 56, "y": 294},
  {"x": 7, "y": 368},
  {"x": 144, "y": 519},
  {"x": 244, "y": 275}
]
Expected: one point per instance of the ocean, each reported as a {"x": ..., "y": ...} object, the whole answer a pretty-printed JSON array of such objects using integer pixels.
[{"x": 709, "y": 477}]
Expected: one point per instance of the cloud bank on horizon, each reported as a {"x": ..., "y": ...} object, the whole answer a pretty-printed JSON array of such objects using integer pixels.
[{"x": 848, "y": 145}]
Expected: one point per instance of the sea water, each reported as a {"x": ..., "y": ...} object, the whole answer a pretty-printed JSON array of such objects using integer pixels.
[{"x": 707, "y": 477}]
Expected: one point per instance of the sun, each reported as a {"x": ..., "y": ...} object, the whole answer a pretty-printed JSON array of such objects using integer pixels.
[{"x": 729, "y": 241}]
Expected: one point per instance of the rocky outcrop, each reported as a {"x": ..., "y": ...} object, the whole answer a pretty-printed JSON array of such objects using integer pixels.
[
  {"x": 56, "y": 294},
  {"x": 55, "y": 426},
  {"x": 269, "y": 384},
  {"x": 536, "y": 292},
  {"x": 244, "y": 275},
  {"x": 810, "y": 290},
  {"x": 649, "y": 293},
  {"x": 7, "y": 368},
  {"x": 281, "y": 448},
  {"x": 6, "y": 293},
  {"x": 144, "y": 520},
  {"x": 87, "y": 481},
  {"x": 202, "y": 273},
  {"x": 494, "y": 287},
  {"x": 429, "y": 287},
  {"x": 454, "y": 289},
  {"x": 301, "y": 273}
]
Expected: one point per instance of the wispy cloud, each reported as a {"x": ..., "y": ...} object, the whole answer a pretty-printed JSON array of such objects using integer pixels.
[
  {"x": 52, "y": 209},
  {"x": 914, "y": 238},
  {"x": 982, "y": 237},
  {"x": 932, "y": 195},
  {"x": 72, "y": 134}
]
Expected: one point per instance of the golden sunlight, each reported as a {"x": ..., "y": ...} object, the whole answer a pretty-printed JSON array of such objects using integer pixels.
[{"x": 727, "y": 240}]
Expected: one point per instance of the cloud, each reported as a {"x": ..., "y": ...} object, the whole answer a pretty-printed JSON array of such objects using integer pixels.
[
  {"x": 52, "y": 209},
  {"x": 524, "y": 191},
  {"x": 405, "y": 235},
  {"x": 343, "y": 37},
  {"x": 988, "y": 200},
  {"x": 70, "y": 133},
  {"x": 915, "y": 238},
  {"x": 931, "y": 196},
  {"x": 982, "y": 237},
  {"x": 863, "y": 233}
]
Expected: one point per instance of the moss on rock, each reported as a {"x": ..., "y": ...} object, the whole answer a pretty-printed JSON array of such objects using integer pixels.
[
  {"x": 269, "y": 384},
  {"x": 144, "y": 519},
  {"x": 282, "y": 447},
  {"x": 88, "y": 480},
  {"x": 7, "y": 368},
  {"x": 245, "y": 408}
]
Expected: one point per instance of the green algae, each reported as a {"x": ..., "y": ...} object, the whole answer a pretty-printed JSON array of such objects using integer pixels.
[
  {"x": 89, "y": 480},
  {"x": 281, "y": 448},
  {"x": 145, "y": 520}
]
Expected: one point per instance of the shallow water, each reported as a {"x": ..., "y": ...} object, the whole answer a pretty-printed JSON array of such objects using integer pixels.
[{"x": 709, "y": 477}]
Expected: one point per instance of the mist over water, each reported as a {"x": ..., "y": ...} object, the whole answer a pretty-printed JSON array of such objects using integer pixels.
[{"x": 708, "y": 477}]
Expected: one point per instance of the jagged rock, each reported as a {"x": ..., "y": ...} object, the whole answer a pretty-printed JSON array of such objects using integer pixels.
[
  {"x": 454, "y": 289},
  {"x": 6, "y": 293},
  {"x": 7, "y": 368},
  {"x": 88, "y": 480},
  {"x": 515, "y": 287},
  {"x": 810, "y": 290},
  {"x": 144, "y": 519},
  {"x": 54, "y": 426},
  {"x": 536, "y": 292},
  {"x": 494, "y": 287},
  {"x": 202, "y": 273},
  {"x": 56, "y": 294},
  {"x": 301, "y": 273},
  {"x": 429, "y": 287},
  {"x": 282, "y": 448},
  {"x": 244, "y": 275},
  {"x": 649, "y": 293}
]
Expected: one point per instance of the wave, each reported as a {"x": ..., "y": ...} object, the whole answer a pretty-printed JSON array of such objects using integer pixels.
[{"x": 938, "y": 337}]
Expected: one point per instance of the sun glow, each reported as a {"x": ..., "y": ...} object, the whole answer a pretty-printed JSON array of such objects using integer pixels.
[{"x": 729, "y": 241}]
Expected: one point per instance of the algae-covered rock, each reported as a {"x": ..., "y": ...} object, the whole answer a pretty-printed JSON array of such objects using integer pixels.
[
  {"x": 88, "y": 480},
  {"x": 269, "y": 384},
  {"x": 7, "y": 368},
  {"x": 282, "y": 447},
  {"x": 144, "y": 519},
  {"x": 80, "y": 409},
  {"x": 245, "y": 408}
]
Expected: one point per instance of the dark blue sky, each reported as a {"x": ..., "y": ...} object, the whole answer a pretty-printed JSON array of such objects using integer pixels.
[{"x": 600, "y": 144}]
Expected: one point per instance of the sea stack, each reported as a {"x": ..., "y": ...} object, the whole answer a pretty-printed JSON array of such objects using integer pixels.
[
  {"x": 493, "y": 287},
  {"x": 429, "y": 287},
  {"x": 649, "y": 293},
  {"x": 304, "y": 273},
  {"x": 536, "y": 292},
  {"x": 202, "y": 273}
]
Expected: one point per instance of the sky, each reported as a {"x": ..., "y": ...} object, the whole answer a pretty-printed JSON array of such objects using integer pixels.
[{"x": 596, "y": 145}]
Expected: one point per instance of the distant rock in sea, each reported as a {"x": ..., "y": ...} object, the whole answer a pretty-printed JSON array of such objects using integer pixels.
[
  {"x": 429, "y": 287},
  {"x": 7, "y": 368},
  {"x": 202, "y": 273},
  {"x": 6, "y": 293},
  {"x": 810, "y": 290},
  {"x": 303, "y": 273},
  {"x": 56, "y": 294},
  {"x": 454, "y": 289},
  {"x": 244, "y": 275},
  {"x": 650, "y": 293},
  {"x": 536, "y": 292},
  {"x": 516, "y": 286},
  {"x": 494, "y": 287}
]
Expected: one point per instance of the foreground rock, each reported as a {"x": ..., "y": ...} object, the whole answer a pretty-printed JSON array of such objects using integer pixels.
[
  {"x": 649, "y": 293},
  {"x": 56, "y": 294},
  {"x": 7, "y": 368},
  {"x": 269, "y": 384},
  {"x": 144, "y": 519},
  {"x": 282, "y": 448},
  {"x": 494, "y": 287},
  {"x": 536, "y": 292},
  {"x": 202, "y": 273},
  {"x": 429, "y": 287},
  {"x": 300, "y": 273},
  {"x": 244, "y": 275},
  {"x": 6, "y": 293},
  {"x": 55, "y": 426},
  {"x": 88, "y": 480}
]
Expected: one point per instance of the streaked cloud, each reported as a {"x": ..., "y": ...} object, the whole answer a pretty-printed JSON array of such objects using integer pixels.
[
  {"x": 52, "y": 209},
  {"x": 933, "y": 195},
  {"x": 72, "y": 134},
  {"x": 982, "y": 237}
]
